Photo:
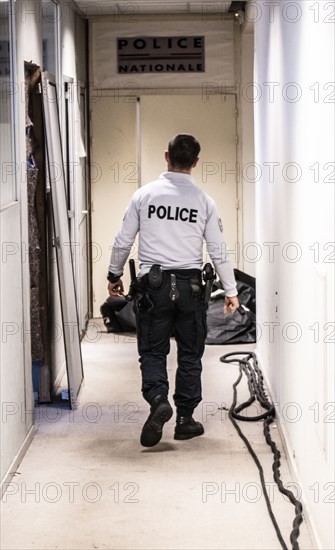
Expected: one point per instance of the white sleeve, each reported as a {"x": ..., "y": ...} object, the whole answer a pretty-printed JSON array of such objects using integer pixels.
[
  {"x": 216, "y": 248},
  {"x": 125, "y": 238}
]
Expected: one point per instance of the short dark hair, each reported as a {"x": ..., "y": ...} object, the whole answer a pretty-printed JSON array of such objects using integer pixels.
[{"x": 183, "y": 151}]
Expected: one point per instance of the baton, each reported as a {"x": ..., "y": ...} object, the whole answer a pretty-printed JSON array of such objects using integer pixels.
[
  {"x": 133, "y": 281},
  {"x": 208, "y": 275}
]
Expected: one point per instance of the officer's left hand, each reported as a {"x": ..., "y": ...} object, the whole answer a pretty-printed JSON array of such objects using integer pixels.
[
  {"x": 115, "y": 289},
  {"x": 231, "y": 303}
]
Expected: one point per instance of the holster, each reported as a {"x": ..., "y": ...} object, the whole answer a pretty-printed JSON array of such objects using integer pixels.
[
  {"x": 197, "y": 286},
  {"x": 142, "y": 301},
  {"x": 156, "y": 276}
]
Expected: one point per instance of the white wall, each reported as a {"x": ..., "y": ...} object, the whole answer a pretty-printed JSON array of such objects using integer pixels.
[
  {"x": 248, "y": 252},
  {"x": 16, "y": 367},
  {"x": 15, "y": 371},
  {"x": 294, "y": 128}
]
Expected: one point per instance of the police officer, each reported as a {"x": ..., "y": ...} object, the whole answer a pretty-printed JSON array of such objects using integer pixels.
[{"x": 173, "y": 217}]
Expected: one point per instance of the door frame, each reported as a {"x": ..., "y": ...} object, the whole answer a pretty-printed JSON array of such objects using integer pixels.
[{"x": 238, "y": 154}]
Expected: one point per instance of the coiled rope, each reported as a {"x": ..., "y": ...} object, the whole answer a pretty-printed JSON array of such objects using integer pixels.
[{"x": 249, "y": 366}]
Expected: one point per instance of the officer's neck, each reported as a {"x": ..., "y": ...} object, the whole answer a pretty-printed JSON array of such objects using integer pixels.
[{"x": 180, "y": 170}]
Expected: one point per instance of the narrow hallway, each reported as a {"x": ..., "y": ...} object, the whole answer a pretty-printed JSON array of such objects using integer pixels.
[
  {"x": 91, "y": 93},
  {"x": 86, "y": 482}
]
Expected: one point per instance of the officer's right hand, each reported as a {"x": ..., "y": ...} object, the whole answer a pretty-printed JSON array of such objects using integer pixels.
[{"x": 115, "y": 289}]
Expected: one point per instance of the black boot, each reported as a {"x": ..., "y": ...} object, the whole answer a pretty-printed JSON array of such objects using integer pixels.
[
  {"x": 187, "y": 427},
  {"x": 160, "y": 412}
]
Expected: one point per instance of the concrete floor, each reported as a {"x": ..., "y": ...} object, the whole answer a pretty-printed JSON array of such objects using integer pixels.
[{"x": 87, "y": 483}]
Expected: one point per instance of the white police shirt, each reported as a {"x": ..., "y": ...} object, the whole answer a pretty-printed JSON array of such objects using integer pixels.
[{"x": 173, "y": 217}]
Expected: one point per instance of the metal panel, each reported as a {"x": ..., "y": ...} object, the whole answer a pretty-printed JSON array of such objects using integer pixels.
[{"x": 56, "y": 173}]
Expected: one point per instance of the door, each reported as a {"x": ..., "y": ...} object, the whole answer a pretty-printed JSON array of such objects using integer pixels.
[
  {"x": 128, "y": 143},
  {"x": 213, "y": 123},
  {"x": 65, "y": 263},
  {"x": 75, "y": 162},
  {"x": 83, "y": 264}
]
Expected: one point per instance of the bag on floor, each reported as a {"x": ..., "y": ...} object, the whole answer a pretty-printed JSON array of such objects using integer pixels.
[
  {"x": 238, "y": 327},
  {"x": 118, "y": 314}
]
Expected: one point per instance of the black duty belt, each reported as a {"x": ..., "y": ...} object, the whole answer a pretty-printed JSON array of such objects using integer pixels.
[{"x": 183, "y": 273}]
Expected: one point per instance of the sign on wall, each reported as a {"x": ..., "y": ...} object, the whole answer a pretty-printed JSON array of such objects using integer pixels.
[
  {"x": 137, "y": 55},
  {"x": 160, "y": 54}
]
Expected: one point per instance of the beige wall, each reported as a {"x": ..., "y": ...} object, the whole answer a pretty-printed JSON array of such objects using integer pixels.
[{"x": 114, "y": 180}]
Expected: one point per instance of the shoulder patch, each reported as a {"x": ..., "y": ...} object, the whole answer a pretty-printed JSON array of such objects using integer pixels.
[{"x": 220, "y": 225}]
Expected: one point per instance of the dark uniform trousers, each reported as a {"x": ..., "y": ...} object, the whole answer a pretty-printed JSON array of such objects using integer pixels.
[{"x": 185, "y": 319}]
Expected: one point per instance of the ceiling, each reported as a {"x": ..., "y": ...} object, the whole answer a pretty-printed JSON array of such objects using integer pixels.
[{"x": 106, "y": 7}]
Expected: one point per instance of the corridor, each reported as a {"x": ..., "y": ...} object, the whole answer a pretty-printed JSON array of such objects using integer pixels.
[
  {"x": 87, "y": 483},
  {"x": 91, "y": 93}
]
